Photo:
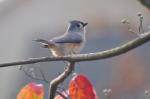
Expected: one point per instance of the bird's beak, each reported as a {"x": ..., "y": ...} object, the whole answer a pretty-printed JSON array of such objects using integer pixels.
[{"x": 85, "y": 24}]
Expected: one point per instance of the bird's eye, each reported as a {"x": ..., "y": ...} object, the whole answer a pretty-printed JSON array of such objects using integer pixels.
[{"x": 78, "y": 25}]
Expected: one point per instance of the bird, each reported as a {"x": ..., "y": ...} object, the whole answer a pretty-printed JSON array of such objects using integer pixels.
[{"x": 69, "y": 43}]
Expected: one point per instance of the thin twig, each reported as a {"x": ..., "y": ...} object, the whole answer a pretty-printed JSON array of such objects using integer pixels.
[
  {"x": 43, "y": 76},
  {"x": 30, "y": 76},
  {"x": 61, "y": 88},
  {"x": 63, "y": 96},
  {"x": 35, "y": 78},
  {"x": 141, "y": 29}
]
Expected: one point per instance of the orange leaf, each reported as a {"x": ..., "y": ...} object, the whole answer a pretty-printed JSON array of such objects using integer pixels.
[
  {"x": 31, "y": 91},
  {"x": 81, "y": 88}
]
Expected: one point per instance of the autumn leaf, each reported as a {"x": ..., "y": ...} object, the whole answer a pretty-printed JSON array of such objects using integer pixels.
[
  {"x": 31, "y": 91},
  {"x": 81, "y": 88}
]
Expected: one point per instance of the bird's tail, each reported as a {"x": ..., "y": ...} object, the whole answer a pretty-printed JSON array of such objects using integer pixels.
[{"x": 45, "y": 43}]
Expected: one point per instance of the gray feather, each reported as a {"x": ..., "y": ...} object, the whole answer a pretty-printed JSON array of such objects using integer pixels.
[{"x": 68, "y": 39}]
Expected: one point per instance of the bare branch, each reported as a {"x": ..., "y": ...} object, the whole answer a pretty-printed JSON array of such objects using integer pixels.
[
  {"x": 146, "y": 3},
  {"x": 35, "y": 77},
  {"x": 56, "y": 81},
  {"x": 141, "y": 29},
  {"x": 30, "y": 76},
  {"x": 88, "y": 57},
  {"x": 43, "y": 76}
]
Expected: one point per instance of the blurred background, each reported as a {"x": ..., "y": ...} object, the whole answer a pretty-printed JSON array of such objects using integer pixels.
[{"x": 21, "y": 21}]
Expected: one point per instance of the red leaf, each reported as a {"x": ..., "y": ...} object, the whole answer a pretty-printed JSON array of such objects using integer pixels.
[
  {"x": 31, "y": 91},
  {"x": 81, "y": 88}
]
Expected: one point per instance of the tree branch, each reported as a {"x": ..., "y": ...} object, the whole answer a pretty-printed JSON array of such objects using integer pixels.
[
  {"x": 146, "y": 3},
  {"x": 56, "y": 81},
  {"x": 145, "y": 37}
]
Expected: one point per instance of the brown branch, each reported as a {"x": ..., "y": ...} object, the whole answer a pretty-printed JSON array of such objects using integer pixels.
[
  {"x": 145, "y": 37},
  {"x": 56, "y": 81}
]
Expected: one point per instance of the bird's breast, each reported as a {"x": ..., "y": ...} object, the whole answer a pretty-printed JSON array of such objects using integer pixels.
[
  {"x": 72, "y": 46},
  {"x": 66, "y": 49}
]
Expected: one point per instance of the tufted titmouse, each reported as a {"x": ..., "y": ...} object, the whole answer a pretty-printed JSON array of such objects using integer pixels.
[{"x": 71, "y": 42}]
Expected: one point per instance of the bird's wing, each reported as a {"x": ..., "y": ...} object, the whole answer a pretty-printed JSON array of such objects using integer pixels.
[{"x": 68, "y": 39}]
